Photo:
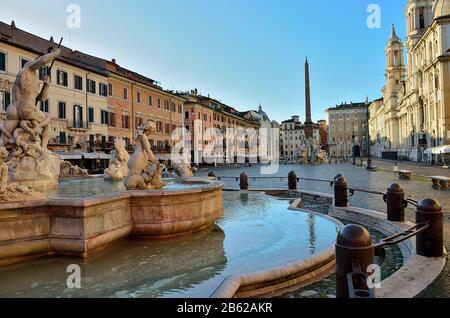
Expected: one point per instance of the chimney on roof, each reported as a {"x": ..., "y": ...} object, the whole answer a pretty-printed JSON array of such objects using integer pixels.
[
  {"x": 13, "y": 27},
  {"x": 113, "y": 61},
  {"x": 51, "y": 39}
]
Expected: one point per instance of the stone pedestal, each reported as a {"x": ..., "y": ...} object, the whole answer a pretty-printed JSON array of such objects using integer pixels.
[{"x": 38, "y": 173}]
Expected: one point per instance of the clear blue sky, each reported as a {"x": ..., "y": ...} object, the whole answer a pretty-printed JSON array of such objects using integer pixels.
[{"x": 243, "y": 52}]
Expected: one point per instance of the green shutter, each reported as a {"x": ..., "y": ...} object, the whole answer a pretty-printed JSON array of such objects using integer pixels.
[
  {"x": 7, "y": 99},
  {"x": 2, "y": 61},
  {"x": 91, "y": 114}
]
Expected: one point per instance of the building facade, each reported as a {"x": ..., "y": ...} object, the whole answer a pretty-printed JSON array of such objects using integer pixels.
[
  {"x": 201, "y": 113},
  {"x": 377, "y": 129},
  {"x": 77, "y": 91},
  {"x": 293, "y": 138},
  {"x": 348, "y": 130},
  {"x": 269, "y": 129},
  {"x": 134, "y": 99},
  {"x": 91, "y": 100},
  {"x": 323, "y": 133},
  {"x": 416, "y": 97}
]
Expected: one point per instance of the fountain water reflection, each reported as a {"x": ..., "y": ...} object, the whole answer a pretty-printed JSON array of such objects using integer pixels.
[{"x": 89, "y": 187}]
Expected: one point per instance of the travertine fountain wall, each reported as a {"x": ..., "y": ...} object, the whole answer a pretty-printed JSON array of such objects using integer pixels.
[{"x": 82, "y": 227}]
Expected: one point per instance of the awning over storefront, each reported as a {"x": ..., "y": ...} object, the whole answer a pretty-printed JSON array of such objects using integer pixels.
[
  {"x": 90, "y": 155},
  {"x": 104, "y": 156},
  {"x": 84, "y": 155},
  {"x": 70, "y": 156},
  {"x": 438, "y": 150}
]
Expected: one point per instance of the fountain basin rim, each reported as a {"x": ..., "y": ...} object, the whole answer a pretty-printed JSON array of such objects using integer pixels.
[
  {"x": 280, "y": 279},
  {"x": 207, "y": 185}
]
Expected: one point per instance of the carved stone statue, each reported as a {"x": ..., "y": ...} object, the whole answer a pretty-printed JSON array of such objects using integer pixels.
[
  {"x": 70, "y": 171},
  {"x": 182, "y": 165},
  {"x": 144, "y": 171},
  {"x": 321, "y": 156},
  {"x": 13, "y": 192},
  {"x": 303, "y": 156},
  {"x": 26, "y": 129},
  {"x": 118, "y": 164}
]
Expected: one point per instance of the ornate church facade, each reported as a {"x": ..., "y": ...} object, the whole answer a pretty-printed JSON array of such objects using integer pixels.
[{"x": 416, "y": 98}]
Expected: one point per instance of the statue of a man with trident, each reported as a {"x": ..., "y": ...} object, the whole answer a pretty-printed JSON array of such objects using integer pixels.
[
  {"x": 26, "y": 130},
  {"x": 22, "y": 115}
]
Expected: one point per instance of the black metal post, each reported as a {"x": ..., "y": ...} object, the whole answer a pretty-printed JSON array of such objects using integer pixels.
[
  {"x": 212, "y": 175},
  {"x": 243, "y": 181},
  {"x": 396, "y": 203},
  {"x": 292, "y": 180},
  {"x": 340, "y": 192},
  {"x": 354, "y": 254},
  {"x": 430, "y": 242}
]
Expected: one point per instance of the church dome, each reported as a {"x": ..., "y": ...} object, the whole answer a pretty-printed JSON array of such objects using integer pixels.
[
  {"x": 442, "y": 8},
  {"x": 262, "y": 113}
]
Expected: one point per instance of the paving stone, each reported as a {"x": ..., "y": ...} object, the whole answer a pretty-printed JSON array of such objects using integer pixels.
[{"x": 308, "y": 293}]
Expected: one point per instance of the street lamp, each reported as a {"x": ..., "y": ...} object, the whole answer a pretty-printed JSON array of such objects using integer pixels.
[
  {"x": 369, "y": 159},
  {"x": 353, "y": 145}
]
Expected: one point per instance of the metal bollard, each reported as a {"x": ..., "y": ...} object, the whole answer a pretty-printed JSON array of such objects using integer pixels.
[
  {"x": 354, "y": 254},
  {"x": 430, "y": 242},
  {"x": 340, "y": 192},
  {"x": 292, "y": 180},
  {"x": 243, "y": 181},
  {"x": 396, "y": 203}
]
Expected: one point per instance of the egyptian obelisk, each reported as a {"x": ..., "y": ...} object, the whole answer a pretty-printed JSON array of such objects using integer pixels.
[{"x": 308, "y": 120}]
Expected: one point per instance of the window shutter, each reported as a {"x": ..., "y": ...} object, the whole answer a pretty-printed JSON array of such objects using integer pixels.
[
  {"x": 2, "y": 62},
  {"x": 7, "y": 99}
]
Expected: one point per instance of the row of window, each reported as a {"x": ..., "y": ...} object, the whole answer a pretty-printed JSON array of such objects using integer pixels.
[
  {"x": 167, "y": 105},
  {"x": 340, "y": 116},
  {"x": 216, "y": 117},
  {"x": 349, "y": 127},
  {"x": 342, "y": 139},
  {"x": 62, "y": 80},
  {"x": 109, "y": 118}
]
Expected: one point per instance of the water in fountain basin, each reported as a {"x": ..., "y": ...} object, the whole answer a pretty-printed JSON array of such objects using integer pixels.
[
  {"x": 256, "y": 232},
  {"x": 90, "y": 187}
]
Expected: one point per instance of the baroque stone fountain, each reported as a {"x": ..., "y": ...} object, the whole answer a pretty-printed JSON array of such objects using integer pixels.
[
  {"x": 34, "y": 225},
  {"x": 311, "y": 152}
]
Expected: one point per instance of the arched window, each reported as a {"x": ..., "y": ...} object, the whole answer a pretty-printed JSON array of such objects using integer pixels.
[{"x": 422, "y": 18}]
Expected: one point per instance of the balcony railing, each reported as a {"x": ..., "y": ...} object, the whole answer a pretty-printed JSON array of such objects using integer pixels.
[{"x": 76, "y": 124}]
